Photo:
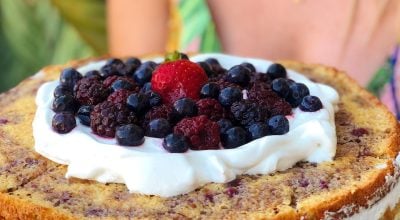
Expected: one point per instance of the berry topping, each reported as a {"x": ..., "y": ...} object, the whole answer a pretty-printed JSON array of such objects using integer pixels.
[
  {"x": 175, "y": 143},
  {"x": 247, "y": 112},
  {"x": 239, "y": 75},
  {"x": 93, "y": 74},
  {"x": 158, "y": 128},
  {"x": 211, "y": 108},
  {"x": 151, "y": 64},
  {"x": 296, "y": 94},
  {"x": 90, "y": 91},
  {"x": 143, "y": 75},
  {"x": 224, "y": 125},
  {"x": 249, "y": 66},
  {"x": 209, "y": 90},
  {"x": 146, "y": 87},
  {"x": 258, "y": 130},
  {"x": 177, "y": 79},
  {"x": 201, "y": 132},
  {"x": 129, "y": 135},
  {"x": 113, "y": 67},
  {"x": 259, "y": 78},
  {"x": 207, "y": 69},
  {"x": 119, "y": 96},
  {"x": 276, "y": 70},
  {"x": 230, "y": 95},
  {"x": 106, "y": 116},
  {"x": 122, "y": 84},
  {"x": 215, "y": 65},
  {"x": 281, "y": 87},
  {"x": 84, "y": 114},
  {"x": 278, "y": 125},
  {"x": 234, "y": 137},
  {"x": 131, "y": 65},
  {"x": 310, "y": 104},
  {"x": 154, "y": 99},
  {"x": 62, "y": 90},
  {"x": 162, "y": 111},
  {"x": 69, "y": 77},
  {"x": 138, "y": 102},
  {"x": 63, "y": 122},
  {"x": 185, "y": 107},
  {"x": 65, "y": 103},
  {"x": 262, "y": 94}
]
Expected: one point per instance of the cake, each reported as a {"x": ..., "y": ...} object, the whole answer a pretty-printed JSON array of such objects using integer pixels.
[{"x": 362, "y": 177}]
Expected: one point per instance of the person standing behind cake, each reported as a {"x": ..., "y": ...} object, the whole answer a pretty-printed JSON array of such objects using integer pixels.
[{"x": 354, "y": 35}]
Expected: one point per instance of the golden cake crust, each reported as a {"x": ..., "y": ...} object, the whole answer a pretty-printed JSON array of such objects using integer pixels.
[{"x": 32, "y": 187}]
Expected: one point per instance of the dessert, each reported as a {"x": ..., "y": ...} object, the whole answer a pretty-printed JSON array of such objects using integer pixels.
[{"x": 367, "y": 139}]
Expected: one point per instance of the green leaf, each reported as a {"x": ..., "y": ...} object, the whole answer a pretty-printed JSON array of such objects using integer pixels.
[
  {"x": 89, "y": 19},
  {"x": 379, "y": 80},
  {"x": 210, "y": 42}
]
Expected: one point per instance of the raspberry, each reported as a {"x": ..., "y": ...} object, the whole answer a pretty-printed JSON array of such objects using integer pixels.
[
  {"x": 262, "y": 94},
  {"x": 119, "y": 96},
  {"x": 162, "y": 111},
  {"x": 90, "y": 91},
  {"x": 211, "y": 108},
  {"x": 106, "y": 116},
  {"x": 247, "y": 112},
  {"x": 259, "y": 77},
  {"x": 202, "y": 133}
]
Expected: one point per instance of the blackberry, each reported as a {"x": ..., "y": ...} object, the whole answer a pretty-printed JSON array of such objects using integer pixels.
[
  {"x": 239, "y": 75},
  {"x": 119, "y": 96},
  {"x": 106, "y": 116},
  {"x": 129, "y": 135},
  {"x": 247, "y": 112},
  {"x": 158, "y": 128},
  {"x": 297, "y": 91},
  {"x": 63, "y": 122},
  {"x": 211, "y": 108},
  {"x": 256, "y": 78},
  {"x": 249, "y": 66},
  {"x": 83, "y": 114},
  {"x": 113, "y": 67},
  {"x": 258, "y": 130},
  {"x": 162, "y": 111},
  {"x": 65, "y": 103},
  {"x": 90, "y": 91},
  {"x": 138, "y": 102},
  {"x": 201, "y": 132},
  {"x": 61, "y": 90},
  {"x": 185, "y": 107},
  {"x": 69, "y": 77},
  {"x": 281, "y": 87},
  {"x": 234, "y": 137},
  {"x": 276, "y": 70},
  {"x": 278, "y": 125},
  {"x": 175, "y": 143},
  {"x": 209, "y": 90},
  {"x": 229, "y": 95},
  {"x": 310, "y": 104},
  {"x": 224, "y": 125},
  {"x": 222, "y": 84}
]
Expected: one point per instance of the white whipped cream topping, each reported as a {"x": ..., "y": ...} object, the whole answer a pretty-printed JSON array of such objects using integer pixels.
[{"x": 149, "y": 169}]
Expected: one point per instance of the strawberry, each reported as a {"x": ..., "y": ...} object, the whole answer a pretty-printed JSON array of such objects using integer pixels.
[{"x": 177, "y": 79}]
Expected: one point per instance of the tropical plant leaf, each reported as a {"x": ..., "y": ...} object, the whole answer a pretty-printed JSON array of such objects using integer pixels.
[
  {"x": 89, "y": 19},
  {"x": 210, "y": 41}
]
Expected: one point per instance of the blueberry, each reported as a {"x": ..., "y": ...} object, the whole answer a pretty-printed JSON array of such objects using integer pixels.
[
  {"x": 185, "y": 107},
  {"x": 62, "y": 90},
  {"x": 249, "y": 66},
  {"x": 121, "y": 84},
  {"x": 213, "y": 62},
  {"x": 150, "y": 64},
  {"x": 276, "y": 70},
  {"x": 207, "y": 69},
  {"x": 229, "y": 95},
  {"x": 138, "y": 102},
  {"x": 131, "y": 65},
  {"x": 143, "y": 75},
  {"x": 113, "y": 67},
  {"x": 234, "y": 137},
  {"x": 146, "y": 87},
  {"x": 63, "y": 122},
  {"x": 258, "y": 130},
  {"x": 209, "y": 90},
  {"x": 129, "y": 135},
  {"x": 278, "y": 125},
  {"x": 65, "y": 103},
  {"x": 69, "y": 77},
  {"x": 154, "y": 99},
  {"x": 93, "y": 74},
  {"x": 281, "y": 87},
  {"x": 224, "y": 125},
  {"x": 297, "y": 91},
  {"x": 158, "y": 128},
  {"x": 84, "y": 114},
  {"x": 310, "y": 104},
  {"x": 175, "y": 143},
  {"x": 239, "y": 75}
]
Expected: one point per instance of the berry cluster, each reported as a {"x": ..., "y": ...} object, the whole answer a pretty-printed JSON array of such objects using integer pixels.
[{"x": 197, "y": 106}]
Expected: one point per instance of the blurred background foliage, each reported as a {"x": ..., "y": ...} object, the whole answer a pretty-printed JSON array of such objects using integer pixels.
[{"x": 37, "y": 33}]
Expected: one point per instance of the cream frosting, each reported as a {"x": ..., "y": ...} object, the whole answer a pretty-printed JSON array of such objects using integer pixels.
[{"x": 149, "y": 169}]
